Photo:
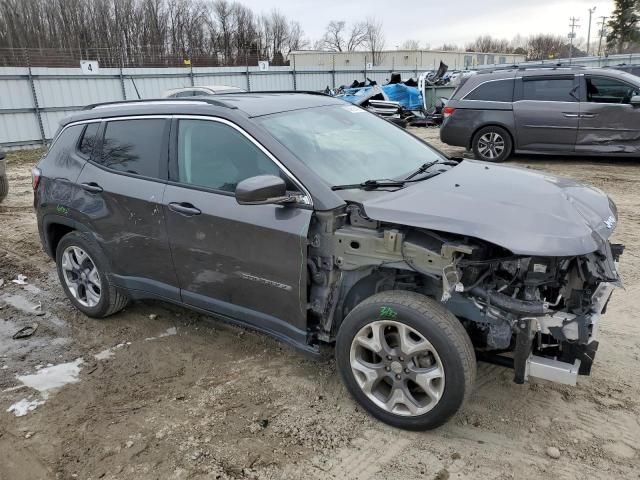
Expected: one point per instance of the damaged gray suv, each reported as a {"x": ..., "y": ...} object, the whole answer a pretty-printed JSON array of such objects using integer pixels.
[{"x": 320, "y": 223}]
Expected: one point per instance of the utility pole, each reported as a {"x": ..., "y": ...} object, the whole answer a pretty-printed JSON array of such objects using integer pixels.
[
  {"x": 572, "y": 35},
  {"x": 603, "y": 27},
  {"x": 591, "y": 10}
]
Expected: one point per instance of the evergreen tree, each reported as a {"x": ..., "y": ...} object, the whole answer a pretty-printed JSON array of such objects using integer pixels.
[{"x": 623, "y": 33}]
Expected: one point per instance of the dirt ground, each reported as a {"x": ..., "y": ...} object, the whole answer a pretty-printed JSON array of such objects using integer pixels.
[{"x": 176, "y": 395}]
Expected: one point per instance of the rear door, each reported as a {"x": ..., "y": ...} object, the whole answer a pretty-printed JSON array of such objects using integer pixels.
[
  {"x": 244, "y": 261},
  {"x": 547, "y": 110},
  {"x": 608, "y": 121},
  {"x": 122, "y": 188}
]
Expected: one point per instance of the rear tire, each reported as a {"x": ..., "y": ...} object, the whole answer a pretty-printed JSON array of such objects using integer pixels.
[
  {"x": 84, "y": 274},
  {"x": 492, "y": 144},
  {"x": 424, "y": 373},
  {"x": 4, "y": 187}
]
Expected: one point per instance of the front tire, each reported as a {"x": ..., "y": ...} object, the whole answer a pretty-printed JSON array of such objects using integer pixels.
[
  {"x": 406, "y": 359},
  {"x": 492, "y": 144},
  {"x": 83, "y": 272}
]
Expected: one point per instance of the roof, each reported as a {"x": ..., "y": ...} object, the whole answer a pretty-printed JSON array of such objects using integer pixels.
[
  {"x": 265, "y": 103},
  {"x": 250, "y": 104}
]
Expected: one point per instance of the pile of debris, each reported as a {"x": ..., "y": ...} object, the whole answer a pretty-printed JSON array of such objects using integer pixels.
[{"x": 401, "y": 101}]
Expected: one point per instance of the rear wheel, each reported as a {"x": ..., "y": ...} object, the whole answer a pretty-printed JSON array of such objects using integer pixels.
[
  {"x": 406, "y": 359},
  {"x": 492, "y": 144},
  {"x": 82, "y": 270}
]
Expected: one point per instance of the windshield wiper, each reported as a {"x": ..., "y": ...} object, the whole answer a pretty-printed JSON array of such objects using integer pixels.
[
  {"x": 426, "y": 166},
  {"x": 371, "y": 185}
]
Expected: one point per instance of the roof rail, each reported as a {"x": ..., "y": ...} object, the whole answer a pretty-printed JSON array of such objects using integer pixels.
[
  {"x": 309, "y": 92},
  {"x": 551, "y": 66},
  {"x": 207, "y": 100}
]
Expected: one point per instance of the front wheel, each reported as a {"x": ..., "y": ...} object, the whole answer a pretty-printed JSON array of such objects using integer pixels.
[
  {"x": 492, "y": 144},
  {"x": 406, "y": 359}
]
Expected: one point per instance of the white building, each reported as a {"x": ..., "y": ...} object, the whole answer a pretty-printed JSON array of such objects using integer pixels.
[{"x": 410, "y": 59}]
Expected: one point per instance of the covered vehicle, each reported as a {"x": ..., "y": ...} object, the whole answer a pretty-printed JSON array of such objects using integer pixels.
[{"x": 319, "y": 223}]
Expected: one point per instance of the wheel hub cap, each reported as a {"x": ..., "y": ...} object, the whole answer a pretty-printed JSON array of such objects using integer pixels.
[
  {"x": 397, "y": 368},
  {"x": 81, "y": 276}
]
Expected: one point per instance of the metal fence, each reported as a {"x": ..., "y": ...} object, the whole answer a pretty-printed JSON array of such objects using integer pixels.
[{"x": 33, "y": 100}]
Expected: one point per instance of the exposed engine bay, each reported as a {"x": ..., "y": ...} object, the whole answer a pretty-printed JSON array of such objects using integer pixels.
[{"x": 536, "y": 314}]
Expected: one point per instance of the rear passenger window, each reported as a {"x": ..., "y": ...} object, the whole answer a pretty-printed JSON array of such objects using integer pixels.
[
  {"x": 548, "y": 89},
  {"x": 135, "y": 146},
  {"x": 217, "y": 156},
  {"x": 493, "y": 91},
  {"x": 89, "y": 139}
]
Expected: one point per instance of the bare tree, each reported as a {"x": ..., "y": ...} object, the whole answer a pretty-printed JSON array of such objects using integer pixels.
[
  {"x": 543, "y": 46},
  {"x": 448, "y": 47},
  {"x": 410, "y": 45},
  {"x": 357, "y": 36},
  {"x": 333, "y": 38},
  {"x": 488, "y": 44},
  {"x": 374, "y": 40}
]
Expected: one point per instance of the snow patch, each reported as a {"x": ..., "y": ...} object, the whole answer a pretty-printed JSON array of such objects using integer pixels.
[
  {"x": 167, "y": 333},
  {"x": 24, "y": 406},
  {"x": 55, "y": 376}
]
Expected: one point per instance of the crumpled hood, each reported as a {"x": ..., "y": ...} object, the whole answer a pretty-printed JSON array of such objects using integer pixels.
[{"x": 523, "y": 211}]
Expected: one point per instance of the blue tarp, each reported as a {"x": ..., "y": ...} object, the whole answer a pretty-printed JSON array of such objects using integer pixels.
[{"x": 409, "y": 97}]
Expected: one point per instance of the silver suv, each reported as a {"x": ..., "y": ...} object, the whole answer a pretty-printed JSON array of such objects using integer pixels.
[{"x": 557, "y": 110}]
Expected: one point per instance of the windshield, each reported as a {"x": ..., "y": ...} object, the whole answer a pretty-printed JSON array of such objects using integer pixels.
[{"x": 345, "y": 144}]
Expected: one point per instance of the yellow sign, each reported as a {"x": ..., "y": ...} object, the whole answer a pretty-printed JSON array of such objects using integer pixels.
[{"x": 187, "y": 61}]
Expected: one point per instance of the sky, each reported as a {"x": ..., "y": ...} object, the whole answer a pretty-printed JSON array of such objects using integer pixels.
[{"x": 435, "y": 22}]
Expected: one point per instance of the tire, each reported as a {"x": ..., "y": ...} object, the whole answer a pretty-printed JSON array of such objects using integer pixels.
[
  {"x": 70, "y": 262},
  {"x": 4, "y": 187},
  {"x": 492, "y": 144},
  {"x": 416, "y": 316}
]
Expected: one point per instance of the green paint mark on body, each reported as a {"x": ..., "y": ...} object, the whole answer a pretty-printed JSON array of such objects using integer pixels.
[
  {"x": 388, "y": 312},
  {"x": 62, "y": 209}
]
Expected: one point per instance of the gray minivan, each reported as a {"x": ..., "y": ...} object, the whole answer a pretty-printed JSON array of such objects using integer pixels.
[{"x": 560, "y": 110}]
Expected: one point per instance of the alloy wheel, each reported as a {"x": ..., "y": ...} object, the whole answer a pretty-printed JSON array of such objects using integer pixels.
[
  {"x": 397, "y": 368},
  {"x": 81, "y": 276},
  {"x": 491, "y": 145}
]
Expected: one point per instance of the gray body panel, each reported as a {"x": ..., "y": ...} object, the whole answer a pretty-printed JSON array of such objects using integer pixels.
[
  {"x": 546, "y": 126},
  {"x": 128, "y": 222},
  {"x": 525, "y": 212},
  {"x": 252, "y": 256}
]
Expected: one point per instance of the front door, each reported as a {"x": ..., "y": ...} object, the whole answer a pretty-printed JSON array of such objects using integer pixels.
[
  {"x": 247, "y": 262},
  {"x": 608, "y": 121},
  {"x": 546, "y": 111}
]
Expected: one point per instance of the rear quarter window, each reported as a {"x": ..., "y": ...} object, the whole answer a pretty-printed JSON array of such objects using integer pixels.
[
  {"x": 63, "y": 146},
  {"x": 493, "y": 91}
]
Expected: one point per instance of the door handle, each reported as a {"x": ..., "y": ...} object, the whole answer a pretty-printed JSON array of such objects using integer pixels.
[
  {"x": 588, "y": 115},
  {"x": 184, "y": 208},
  {"x": 570, "y": 115},
  {"x": 91, "y": 187}
]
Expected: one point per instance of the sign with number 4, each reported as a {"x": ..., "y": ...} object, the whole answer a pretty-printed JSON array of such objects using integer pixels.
[{"x": 89, "y": 67}]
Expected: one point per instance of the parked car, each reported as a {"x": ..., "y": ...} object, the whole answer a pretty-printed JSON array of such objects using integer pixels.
[
  {"x": 4, "y": 181},
  {"x": 560, "y": 110},
  {"x": 322, "y": 224},
  {"x": 623, "y": 67},
  {"x": 198, "y": 91}
]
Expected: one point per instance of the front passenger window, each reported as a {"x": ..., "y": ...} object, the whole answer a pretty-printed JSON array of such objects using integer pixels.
[
  {"x": 608, "y": 90},
  {"x": 214, "y": 155}
]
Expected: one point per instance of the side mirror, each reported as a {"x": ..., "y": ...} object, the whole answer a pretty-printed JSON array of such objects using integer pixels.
[
  {"x": 262, "y": 190},
  {"x": 635, "y": 100},
  {"x": 3, "y": 155}
]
